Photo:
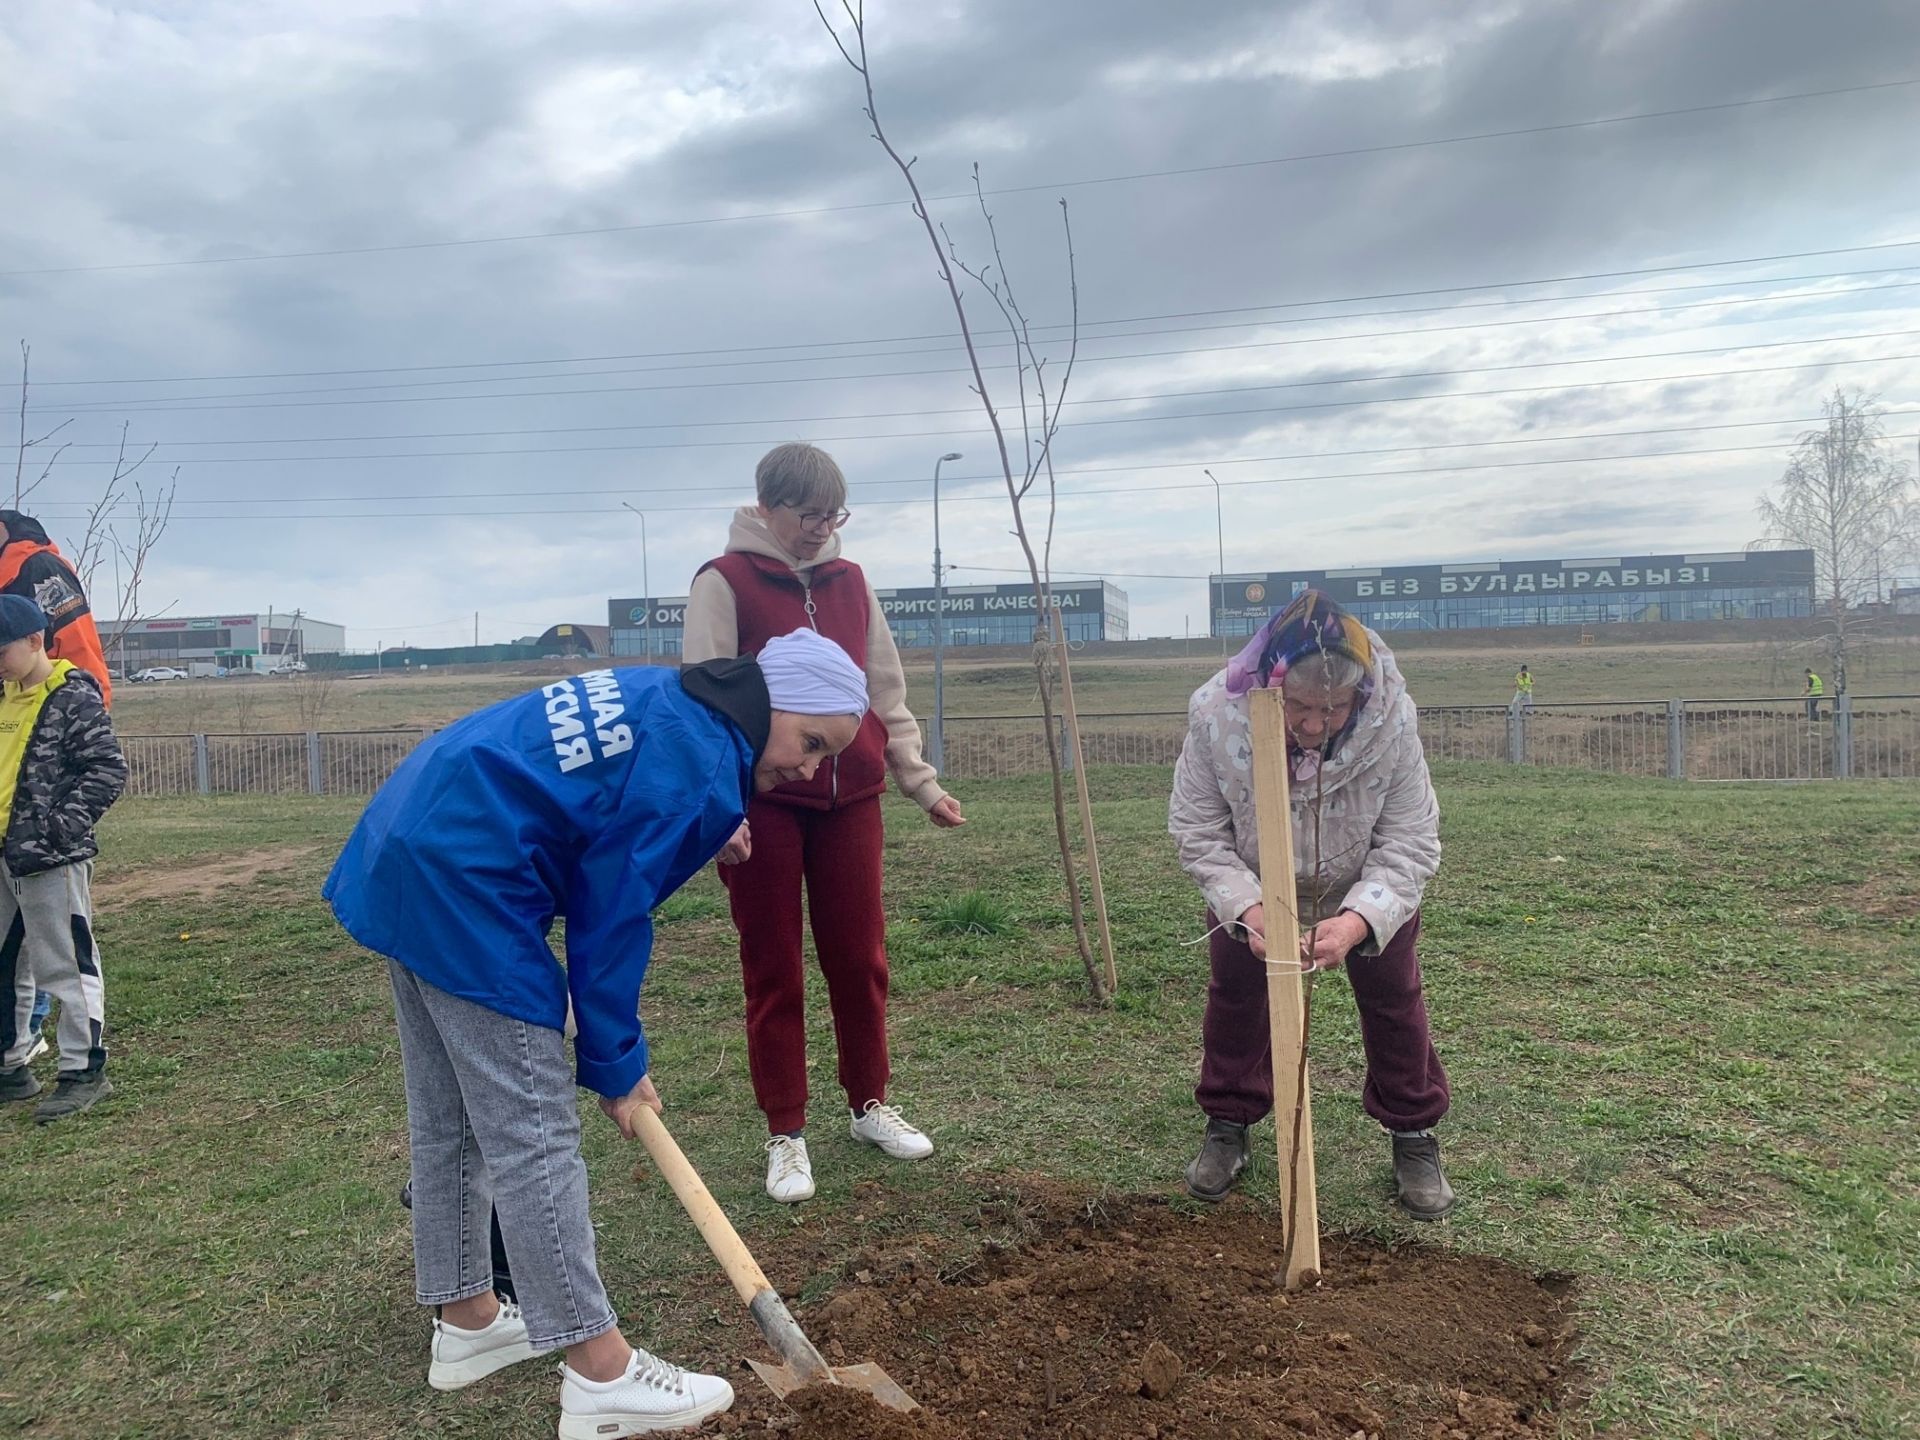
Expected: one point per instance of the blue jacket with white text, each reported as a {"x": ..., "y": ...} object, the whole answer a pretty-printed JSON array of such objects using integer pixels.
[{"x": 595, "y": 798}]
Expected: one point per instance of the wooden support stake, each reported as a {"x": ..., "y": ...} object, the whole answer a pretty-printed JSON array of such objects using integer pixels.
[
  {"x": 1286, "y": 995},
  {"x": 1086, "y": 804}
]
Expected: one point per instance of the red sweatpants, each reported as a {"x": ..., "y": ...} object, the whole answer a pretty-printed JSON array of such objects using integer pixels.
[{"x": 837, "y": 854}]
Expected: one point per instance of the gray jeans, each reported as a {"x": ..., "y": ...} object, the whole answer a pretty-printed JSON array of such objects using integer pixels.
[
  {"x": 493, "y": 1121},
  {"x": 47, "y": 920}
]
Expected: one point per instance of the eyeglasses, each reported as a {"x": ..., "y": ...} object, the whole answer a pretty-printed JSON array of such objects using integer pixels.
[{"x": 828, "y": 520}]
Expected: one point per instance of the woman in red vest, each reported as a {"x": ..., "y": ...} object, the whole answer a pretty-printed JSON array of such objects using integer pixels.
[{"x": 782, "y": 569}]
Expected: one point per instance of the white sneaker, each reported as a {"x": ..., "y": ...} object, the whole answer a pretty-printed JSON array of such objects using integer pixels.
[
  {"x": 461, "y": 1357},
  {"x": 884, "y": 1126},
  {"x": 35, "y": 1050},
  {"x": 650, "y": 1397},
  {"x": 789, "y": 1171}
]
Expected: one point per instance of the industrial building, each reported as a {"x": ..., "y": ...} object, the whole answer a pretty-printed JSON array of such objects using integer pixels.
[
  {"x": 1735, "y": 585},
  {"x": 975, "y": 615},
  {"x": 232, "y": 641}
]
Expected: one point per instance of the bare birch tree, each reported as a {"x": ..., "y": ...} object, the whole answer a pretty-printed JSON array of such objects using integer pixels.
[
  {"x": 1846, "y": 500},
  {"x": 124, "y": 522},
  {"x": 1039, "y": 405}
]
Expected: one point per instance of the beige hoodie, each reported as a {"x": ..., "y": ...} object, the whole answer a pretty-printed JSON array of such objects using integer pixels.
[{"x": 713, "y": 633}]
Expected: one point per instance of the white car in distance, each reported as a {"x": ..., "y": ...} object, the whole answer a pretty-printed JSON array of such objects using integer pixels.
[{"x": 159, "y": 672}]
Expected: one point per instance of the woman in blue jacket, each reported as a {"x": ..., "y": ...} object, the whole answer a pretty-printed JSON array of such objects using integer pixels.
[{"x": 595, "y": 798}]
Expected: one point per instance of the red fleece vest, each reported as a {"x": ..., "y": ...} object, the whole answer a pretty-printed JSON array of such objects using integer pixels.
[{"x": 771, "y": 600}]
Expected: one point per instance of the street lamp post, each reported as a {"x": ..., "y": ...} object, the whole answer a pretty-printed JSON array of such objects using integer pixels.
[
  {"x": 939, "y": 733},
  {"x": 646, "y": 584},
  {"x": 1217, "y": 620}
]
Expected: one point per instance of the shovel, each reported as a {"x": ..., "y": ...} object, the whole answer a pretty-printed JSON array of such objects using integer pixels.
[{"x": 802, "y": 1364}]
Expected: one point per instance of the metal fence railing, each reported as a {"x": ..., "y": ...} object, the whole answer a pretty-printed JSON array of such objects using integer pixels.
[
  {"x": 311, "y": 762},
  {"x": 1854, "y": 737}
]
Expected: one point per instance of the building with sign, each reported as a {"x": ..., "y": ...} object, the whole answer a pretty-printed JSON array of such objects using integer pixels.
[
  {"x": 1734, "y": 585},
  {"x": 230, "y": 640},
  {"x": 976, "y": 615},
  {"x": 573, "y": 642}
]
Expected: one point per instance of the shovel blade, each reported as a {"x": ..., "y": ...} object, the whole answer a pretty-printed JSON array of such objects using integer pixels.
[{"x": 783, "y": 1381}]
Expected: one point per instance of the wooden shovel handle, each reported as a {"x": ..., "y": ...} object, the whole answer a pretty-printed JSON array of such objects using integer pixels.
[{"x": 708, "y": 1218}]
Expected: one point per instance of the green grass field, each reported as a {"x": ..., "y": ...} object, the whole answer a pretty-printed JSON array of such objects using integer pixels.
[
  {"x": 1681, "y": 1024},
  {"x": 1442, "y": 671}
]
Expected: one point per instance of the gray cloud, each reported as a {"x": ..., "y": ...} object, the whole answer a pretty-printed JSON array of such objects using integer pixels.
[{"x": 189, "y": 132}]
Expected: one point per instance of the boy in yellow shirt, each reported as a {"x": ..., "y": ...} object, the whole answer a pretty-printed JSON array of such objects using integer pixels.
[{"x": 60, "y": 768}]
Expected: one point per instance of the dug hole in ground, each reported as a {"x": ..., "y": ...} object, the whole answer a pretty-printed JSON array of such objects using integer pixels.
[{"x": 1142, "y": 1317}]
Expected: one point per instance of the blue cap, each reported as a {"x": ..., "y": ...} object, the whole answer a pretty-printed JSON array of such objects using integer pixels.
[{"x": 19, "y": 618}]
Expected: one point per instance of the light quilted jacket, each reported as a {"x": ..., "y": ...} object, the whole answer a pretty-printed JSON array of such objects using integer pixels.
[{"x": 1379, "y": 834}]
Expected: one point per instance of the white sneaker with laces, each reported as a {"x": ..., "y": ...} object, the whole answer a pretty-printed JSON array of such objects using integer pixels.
[
  {"x": 884, "y": 1126},
  {"x": 652, "y": 1396},
  {"x": 461, "y": 1357},
  {"x": 789, "y": 1171}
]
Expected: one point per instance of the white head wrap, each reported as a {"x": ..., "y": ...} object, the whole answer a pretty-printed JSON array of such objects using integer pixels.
[{"x": 807, "y": 674}]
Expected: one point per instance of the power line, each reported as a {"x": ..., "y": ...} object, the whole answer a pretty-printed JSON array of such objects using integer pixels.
[
  {"x": 1223, "y": 167},
  {"x": 1078, "y": 469},
  {"x": 926, "y": 434},
  {"x": 89, "y": 407},
  {"x": 1128, "y": 490},
  {"x": 964, "y": 370},
  {"x": 620, "y": 429},
  {"x": 986, "y": 497},
  {"x": 984, "y": 476},
  {"x": 1129, "y": 319},
  {"x": 1186, "y": 415}
]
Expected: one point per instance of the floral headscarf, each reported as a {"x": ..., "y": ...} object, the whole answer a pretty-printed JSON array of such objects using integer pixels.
[{"x": 1313, "y": 624}]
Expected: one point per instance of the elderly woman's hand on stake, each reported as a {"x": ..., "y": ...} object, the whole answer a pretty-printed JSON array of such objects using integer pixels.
[
  {"x": 623, "y": 1110},
  {"x": 1325, "y": 946},
  {"x": 1254, "y": 921},
  {"x": 947, "y": 814},
  {"x": 740, "y": 848}
]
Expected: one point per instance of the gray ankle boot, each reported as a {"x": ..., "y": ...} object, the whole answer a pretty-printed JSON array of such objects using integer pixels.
[
  {"x": 1423, "y": 1189},
  {"x": 1221, "y": 1159}
]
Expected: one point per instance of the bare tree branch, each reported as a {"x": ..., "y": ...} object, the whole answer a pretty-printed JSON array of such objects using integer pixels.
[
  {"x": 948, "y": 265},
  {"x": 151, "y": 516}
]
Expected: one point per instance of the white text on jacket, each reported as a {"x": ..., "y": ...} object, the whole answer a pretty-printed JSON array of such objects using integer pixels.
[{"x": 570, "y": 732}]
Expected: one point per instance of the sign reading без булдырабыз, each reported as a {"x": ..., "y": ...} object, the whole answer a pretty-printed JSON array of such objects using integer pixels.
[{"x": 1757, "y": 584}]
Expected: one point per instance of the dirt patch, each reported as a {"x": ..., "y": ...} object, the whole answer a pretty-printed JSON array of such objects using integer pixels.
[
  {"x": 200, "y": 881},
  {"x": 1134, "y": 1318}
]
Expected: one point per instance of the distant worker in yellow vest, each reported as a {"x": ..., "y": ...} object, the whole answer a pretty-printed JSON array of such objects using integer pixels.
[
  {"x": 1815, "y": 689},
  {"x": 1523, "y": 691}
]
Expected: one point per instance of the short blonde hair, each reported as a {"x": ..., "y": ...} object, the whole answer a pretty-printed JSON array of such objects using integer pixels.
[{"x": 799, "y": 476}]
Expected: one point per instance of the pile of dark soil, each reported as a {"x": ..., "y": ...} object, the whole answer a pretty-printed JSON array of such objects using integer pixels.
[{"x": 1138, "y": 1319}]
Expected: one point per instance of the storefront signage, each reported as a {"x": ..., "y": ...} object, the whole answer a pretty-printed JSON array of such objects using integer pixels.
[{"x": 1259, "y": 595}]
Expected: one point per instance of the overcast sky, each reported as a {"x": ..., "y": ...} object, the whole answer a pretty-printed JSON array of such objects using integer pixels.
[{"x": 160, "y": 155}]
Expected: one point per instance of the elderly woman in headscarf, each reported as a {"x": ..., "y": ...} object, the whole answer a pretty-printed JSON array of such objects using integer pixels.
[
  {"x": 595, "y": 798},
  {"x": 1354, "y": 758}
]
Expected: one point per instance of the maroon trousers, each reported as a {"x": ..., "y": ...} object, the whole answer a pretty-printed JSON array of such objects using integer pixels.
[
  {"x": 836, "y": 853},
  {"x": 1406, "y": 1086}
]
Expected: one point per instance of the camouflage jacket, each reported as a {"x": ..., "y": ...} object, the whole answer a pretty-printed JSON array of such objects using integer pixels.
[{"x": 71, "y": 773}]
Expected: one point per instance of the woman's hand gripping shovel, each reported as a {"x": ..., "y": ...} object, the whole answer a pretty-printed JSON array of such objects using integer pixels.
[{"x": 802, "y": 1363}]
